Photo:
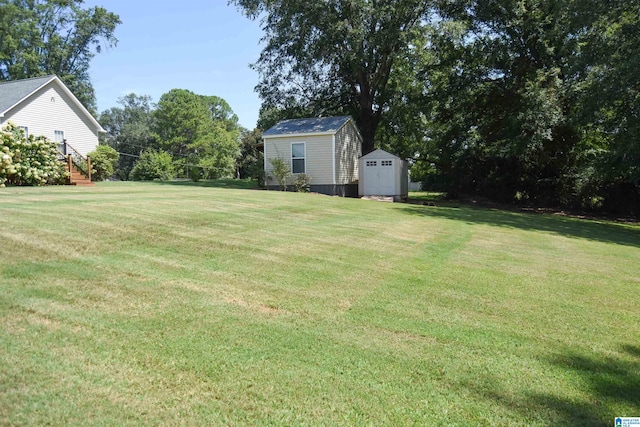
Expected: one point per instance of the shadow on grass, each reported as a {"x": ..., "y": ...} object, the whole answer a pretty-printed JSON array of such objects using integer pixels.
[
  {"x": 601, "y": 231},
  {"x": 611, "y": 384},
  {"x": 239, "y": 184}
]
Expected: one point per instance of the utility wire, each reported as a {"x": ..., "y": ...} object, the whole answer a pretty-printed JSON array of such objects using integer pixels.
[{"x": 176, "y": 162}]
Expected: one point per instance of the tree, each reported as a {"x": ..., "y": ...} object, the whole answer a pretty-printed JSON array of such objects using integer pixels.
[
  {"x": 40, "y": 37},
  {"x": 197, "y": 130},
  {"x": 609, "y": 108},
  {"x": 336, "y": 56},
  {"x": 499, "y": 103},
  {"x": 128, "y": 130},
  {"x": 220, "y": 111},
  {"x": 181, "y": 122},
  {"x": 250, "y": 162}
]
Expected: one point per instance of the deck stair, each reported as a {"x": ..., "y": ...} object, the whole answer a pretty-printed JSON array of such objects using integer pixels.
[
  {"x": 77, "y": 177},
  {"x": 76, "y": 165}
]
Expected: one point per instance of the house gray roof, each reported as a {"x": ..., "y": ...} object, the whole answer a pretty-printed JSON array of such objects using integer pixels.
[
  {"x": 311, "y": 125},
  {"x": 15, "y": 91}
]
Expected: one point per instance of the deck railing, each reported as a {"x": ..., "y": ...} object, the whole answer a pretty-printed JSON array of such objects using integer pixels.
[{"x": 74, "y": 158}]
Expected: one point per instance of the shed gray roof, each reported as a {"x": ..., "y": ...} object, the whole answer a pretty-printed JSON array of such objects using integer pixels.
[
  {"x": 311, "y": 125},
  {"x": 15, "y": 91}
]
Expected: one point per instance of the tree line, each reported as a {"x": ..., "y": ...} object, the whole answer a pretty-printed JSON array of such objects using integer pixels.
[
  {"x": 519, "y": 101},
  {"x": 184, "y": 135}
]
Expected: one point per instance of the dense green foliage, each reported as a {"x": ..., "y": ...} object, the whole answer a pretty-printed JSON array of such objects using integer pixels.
[
  {"x": 334, "y": 57},
  {"x": 533, "y": 101},
  {"x": 250, "y": 161},
  {"x": 40, "y": 37},
  {"x": 524, "y": 107},
  {"x": 153, "y": 165},
  {"x": 128, "y": 130},
  {"x": 103, "y": 162},
  {"x": 28, "y": 161},
  {"x": 195, "y": 130}
]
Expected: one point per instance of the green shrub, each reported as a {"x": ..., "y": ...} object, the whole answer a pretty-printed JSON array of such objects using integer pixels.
[
  {"x": 153, "y": 165},
  {"x": 302, "y": 183},
  {"x": 28, "y": 161},
  {"x": 281, "y": 171},
  {"x": 103, "y": 162},
  {"x": 195, "y": 173}
]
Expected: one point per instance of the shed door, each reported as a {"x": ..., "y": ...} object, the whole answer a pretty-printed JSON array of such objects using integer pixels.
[
  {"x": 387, "y": 178},
  {"x": 371, "y": 178},
  {"x": 378, "y": 178}
]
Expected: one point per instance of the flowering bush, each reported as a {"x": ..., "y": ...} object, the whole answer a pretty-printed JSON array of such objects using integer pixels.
[{"x": 28, "y": 161}]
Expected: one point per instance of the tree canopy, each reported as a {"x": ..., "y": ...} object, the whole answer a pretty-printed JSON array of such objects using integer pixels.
[
  {"x": 194, "y": 131},
  {"x": 334, "y": 57},
  {"x": 40, "y": 37},
  {"x": 527, "y": 101},
  {"x": 128, "y": 130}
]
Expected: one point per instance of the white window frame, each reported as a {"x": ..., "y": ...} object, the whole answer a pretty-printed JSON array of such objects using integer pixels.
[
  {"x": 304, "y": 159},
  {"x": 26, "y": 130},
  {"x": 60, "y": 142}
]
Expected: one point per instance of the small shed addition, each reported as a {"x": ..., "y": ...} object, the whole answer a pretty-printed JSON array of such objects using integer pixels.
[
  {"x": 326, "y": 148},
  {"x": 383, "y": 174},
  {"x": 45, "y": 106}
]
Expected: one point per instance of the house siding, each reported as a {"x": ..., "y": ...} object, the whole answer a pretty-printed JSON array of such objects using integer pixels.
[
  {"x": 318, "y": 157},
  {"x": 348, "y": 150},
  {"x": 50, "y": 109}
]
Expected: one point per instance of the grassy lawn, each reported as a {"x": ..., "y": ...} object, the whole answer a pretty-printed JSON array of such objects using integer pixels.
[{"x": 197, "y": 304}]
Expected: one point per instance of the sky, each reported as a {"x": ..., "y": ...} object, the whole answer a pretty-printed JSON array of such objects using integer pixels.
[{"x": 205, "y": 46}]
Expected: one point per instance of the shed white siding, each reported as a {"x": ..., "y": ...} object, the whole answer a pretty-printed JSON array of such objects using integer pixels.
[
  {"x": 348, "y": 149},
  {"x": 50, "y": 109},
  {"x": 318, "y": 159},
  {"x": 383, "y": 174}
]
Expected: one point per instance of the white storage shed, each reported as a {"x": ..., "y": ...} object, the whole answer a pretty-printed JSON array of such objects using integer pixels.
[{"x": 383, "y": 174}]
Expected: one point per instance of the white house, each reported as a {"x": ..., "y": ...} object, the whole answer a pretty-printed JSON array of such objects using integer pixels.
[
  {"x": 45, "y": 106},
  {"x": 327, "y": 149},
  {"x": 383, "y": 174}
]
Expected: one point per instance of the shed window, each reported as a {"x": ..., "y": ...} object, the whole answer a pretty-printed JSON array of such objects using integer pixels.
[
  {"x": 298, "y": 158},
  {"x": 372, "y": 163},
  {"x": 387, "y": 163}
]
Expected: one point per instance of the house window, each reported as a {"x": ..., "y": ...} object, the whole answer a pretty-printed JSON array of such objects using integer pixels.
[
  {"x": 59, "y": 138},
  {"x": 26, "y": 131},
  {"x": 298, "y": 158}
]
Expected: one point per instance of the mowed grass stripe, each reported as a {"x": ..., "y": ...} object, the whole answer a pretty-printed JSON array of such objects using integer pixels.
[{"x": 148, "y": 303}]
